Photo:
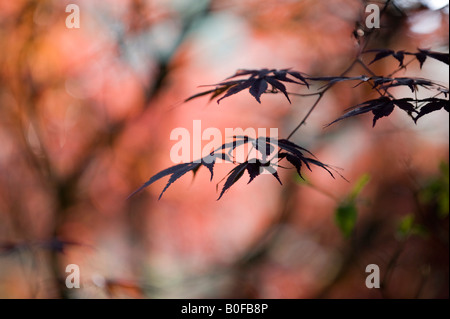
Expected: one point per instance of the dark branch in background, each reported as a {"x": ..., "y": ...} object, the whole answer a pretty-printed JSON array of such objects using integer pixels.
[
  {"x": 164, "y": 63},
  {"x": 62, "y": 188}
]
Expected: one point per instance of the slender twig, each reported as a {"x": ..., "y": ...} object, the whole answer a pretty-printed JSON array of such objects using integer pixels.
[
  {"x": 303, "y": 121},
  {"x": 390, "y": 268},
  {"x": 403, "y": 67},
  {"x": 320, "y": 95},
  {"x": 321, "y": 190},
  {"x": 303, "y": 95},
  {"x": 356, "y": 60}
]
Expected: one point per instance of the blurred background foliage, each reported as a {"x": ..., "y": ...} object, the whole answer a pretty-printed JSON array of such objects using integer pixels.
[{"x": 86, "y": 115}]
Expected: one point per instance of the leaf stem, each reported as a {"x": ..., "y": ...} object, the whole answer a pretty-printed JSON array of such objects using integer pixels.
[{"x": 320, "y": 95}]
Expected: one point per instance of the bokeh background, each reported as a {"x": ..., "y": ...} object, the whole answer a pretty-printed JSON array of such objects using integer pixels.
[{"x": 86, "y": 116}]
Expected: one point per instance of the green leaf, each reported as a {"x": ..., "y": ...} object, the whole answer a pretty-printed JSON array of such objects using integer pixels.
[
  {"x": 300, "y": 180},
  {"x": 346, "y": 213},
  {"x": 345, "y": 218},
  {"x": 405, "y": 226},
  {"x": 408, "y": 227},
  {"x": 359, "y": 186},
  {"x": 444, "y": 194},
  {"x": 436, "y": 192}
]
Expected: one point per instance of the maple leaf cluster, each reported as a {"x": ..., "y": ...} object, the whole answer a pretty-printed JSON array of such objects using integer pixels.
[{"x": 258, "y": 82}]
